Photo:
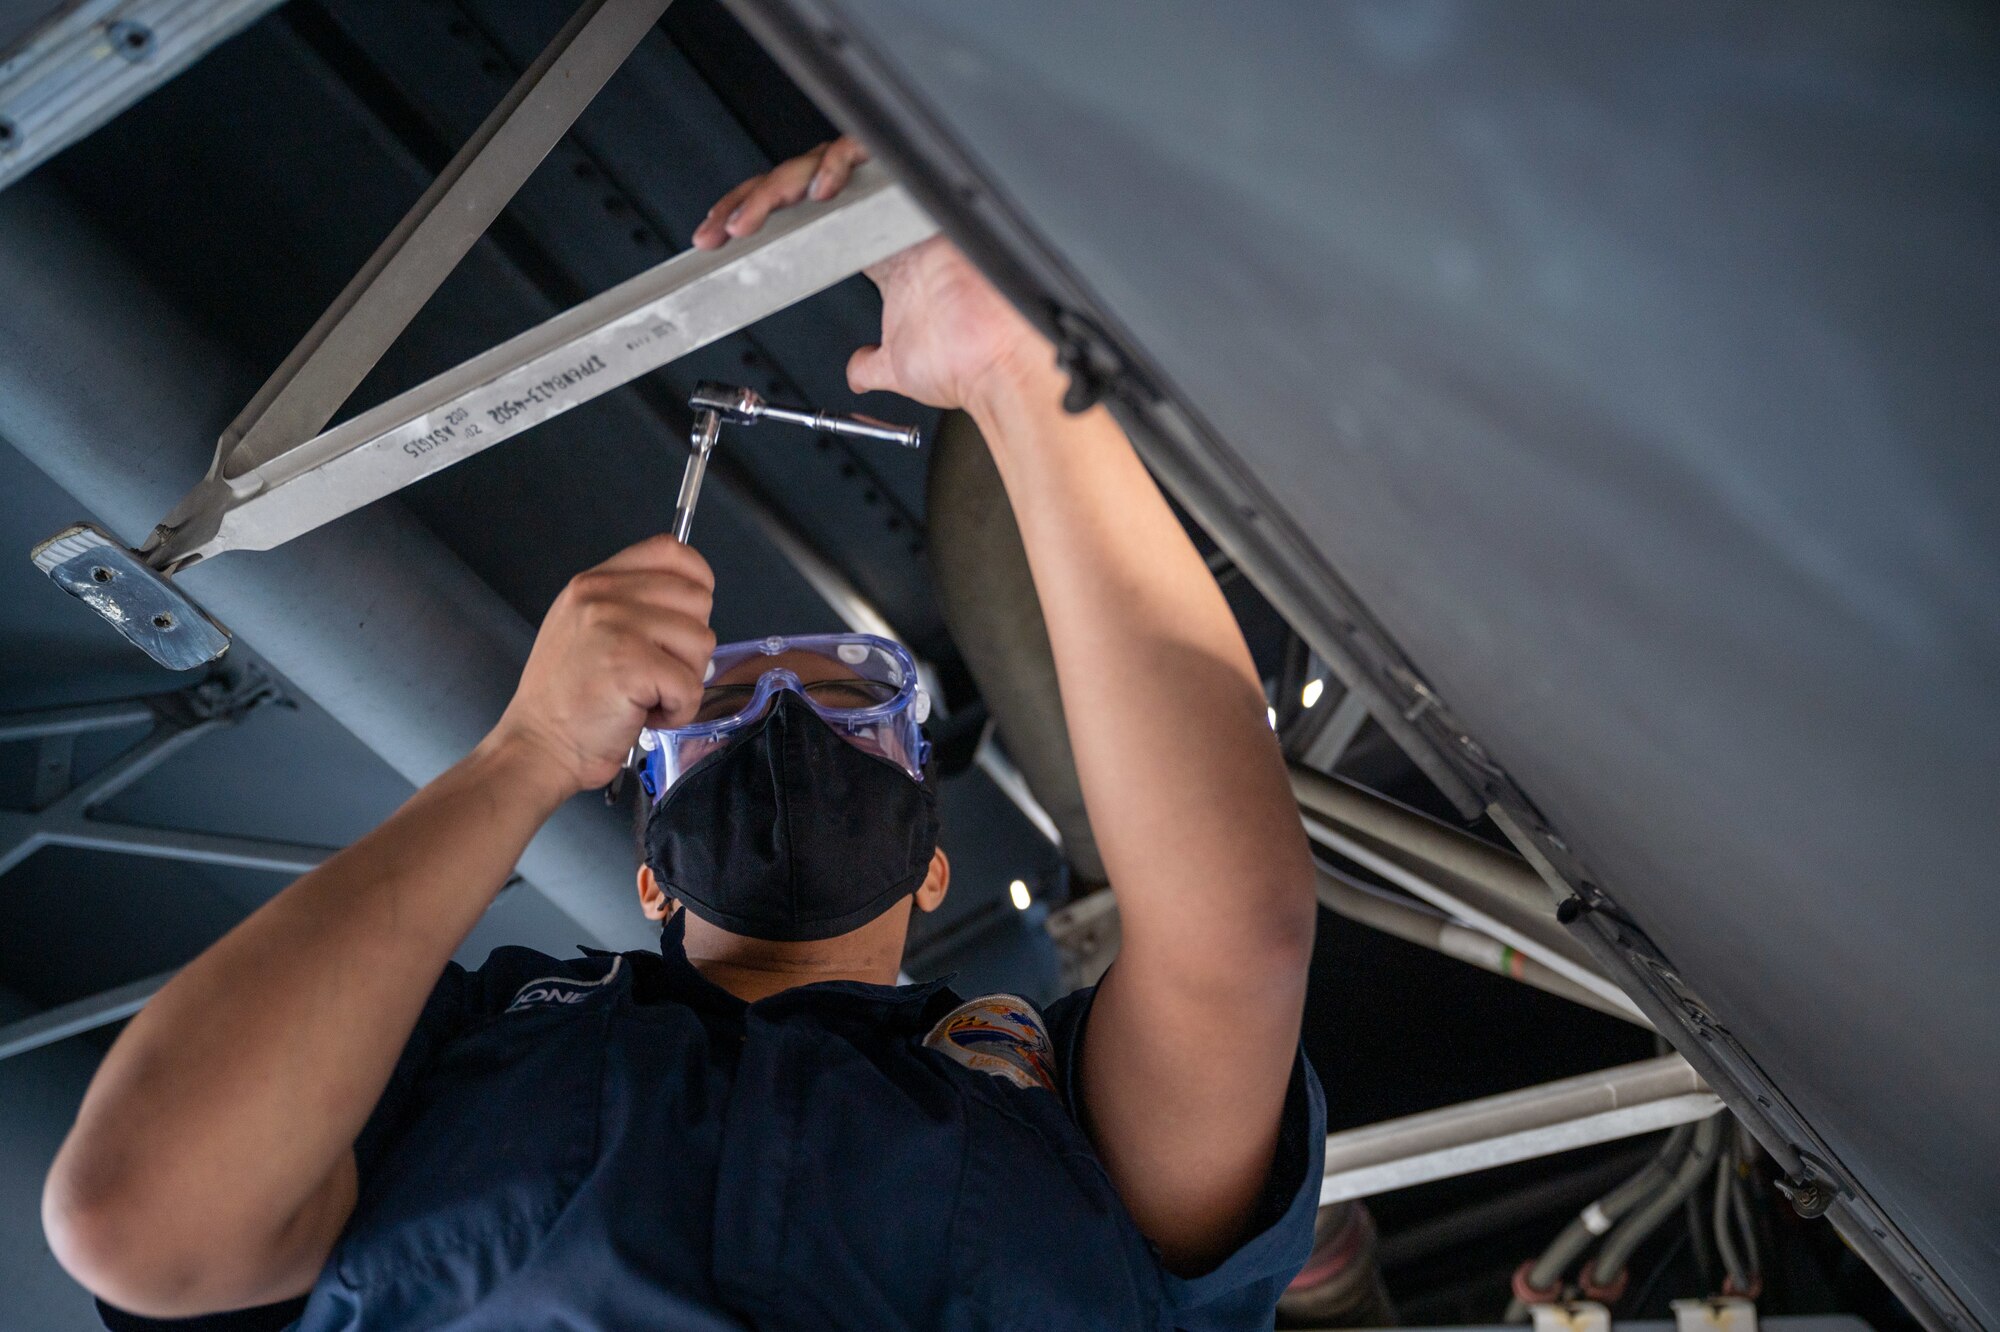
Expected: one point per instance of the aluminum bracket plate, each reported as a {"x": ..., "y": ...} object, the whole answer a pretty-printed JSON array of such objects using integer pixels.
[{"x": 138, "y": 602}]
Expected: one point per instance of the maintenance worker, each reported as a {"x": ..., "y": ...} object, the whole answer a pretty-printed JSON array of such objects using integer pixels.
[{"x": 756, "y": 1126}]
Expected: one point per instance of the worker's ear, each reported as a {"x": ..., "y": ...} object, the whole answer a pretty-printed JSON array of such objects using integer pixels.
[
  {"x": 655, "y": 903},
  {"x": 930, "y": 894}
]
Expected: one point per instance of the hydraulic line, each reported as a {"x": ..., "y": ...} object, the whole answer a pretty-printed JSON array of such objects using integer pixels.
[
  {"x": 1725, "y": 1243},
  {"x": 1643, "y": 1220},
  {"x": 1739, "y": 1201},
  {"x": 1739, "y": 1196},
  {"x": 1597, "y": 1218},
  {"x": 1730, "y": 1210}
]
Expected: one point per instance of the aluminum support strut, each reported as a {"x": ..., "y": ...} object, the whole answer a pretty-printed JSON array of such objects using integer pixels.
[
  {"x": 127, "y": 587},
  {"x": 1597, "y": 1107},
  {"x": 66, "y": 1020},
  {"x": 406, "y": 269},
  {"x": 66, "y": 814},
  {"x": 88, "y": 61},
  {"x": 636, "y": 327},
  {"x": 612, "y": 339},
  {"x": 278, "y": 473}
]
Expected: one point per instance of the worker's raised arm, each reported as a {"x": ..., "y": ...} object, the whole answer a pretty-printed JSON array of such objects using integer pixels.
[
  {"x": 1191, "y": 1042},
  {"x": 1192, "y": 1037},
  {"x": 211, "y": 1166}
]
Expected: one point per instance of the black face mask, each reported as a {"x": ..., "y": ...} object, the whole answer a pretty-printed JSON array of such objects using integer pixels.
[{"x": 791, "y": 833}]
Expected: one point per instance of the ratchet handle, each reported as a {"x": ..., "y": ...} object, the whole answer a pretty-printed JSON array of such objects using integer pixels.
[
  {"x": 707, "y": 425},
  {"x": 715, "y": 403},
  {"x": 743, "y": 406}
]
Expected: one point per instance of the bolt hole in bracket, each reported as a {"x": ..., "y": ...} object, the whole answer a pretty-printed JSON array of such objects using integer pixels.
[{"x": 137, "y": 601}]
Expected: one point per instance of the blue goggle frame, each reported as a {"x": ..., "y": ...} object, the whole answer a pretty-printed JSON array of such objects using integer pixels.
[{"x": 891, "y": 729}]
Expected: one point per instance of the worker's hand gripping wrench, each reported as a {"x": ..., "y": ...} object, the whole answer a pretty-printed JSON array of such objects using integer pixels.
[{"x": 715, "y": 403}]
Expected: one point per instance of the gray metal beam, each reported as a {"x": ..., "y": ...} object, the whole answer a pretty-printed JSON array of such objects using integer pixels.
[
  {"x": 88, "y": 61},
  {"x": 1333, "y": 732},
  {"x": 258, "y": 501},
  {"x": 1516, "y": 1126},
  {"x": 66, "y": 1020},
  {"x": 74, "y": 721},
  {"x": 64, "y": 815},
  {"x": 101, "y": 381},
  {"x": 450, "y": 216},
  {"x": 21, "y": 835}
]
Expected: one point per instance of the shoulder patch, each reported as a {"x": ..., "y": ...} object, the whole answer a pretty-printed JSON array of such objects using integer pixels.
[
  {"x": 1001, "y": 1035},
  {"x": 560, "y": 990}
]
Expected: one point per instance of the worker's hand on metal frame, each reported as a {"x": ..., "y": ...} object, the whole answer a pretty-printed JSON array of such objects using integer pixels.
[
  {"x": 948, "y": 338},
  {"x": 623, "y": 646}
]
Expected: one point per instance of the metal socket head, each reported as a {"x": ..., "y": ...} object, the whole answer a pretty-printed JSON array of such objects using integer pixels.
[{"x": 738, "y": 405}]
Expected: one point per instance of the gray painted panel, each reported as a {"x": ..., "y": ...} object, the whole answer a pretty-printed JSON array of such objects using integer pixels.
[{"x": 1635, "y": 368}]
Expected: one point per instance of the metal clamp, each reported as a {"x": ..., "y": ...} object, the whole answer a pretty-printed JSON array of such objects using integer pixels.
[
  {"x": 1571, "y": 1316},
  {"x": 1721, "y": 1314}
]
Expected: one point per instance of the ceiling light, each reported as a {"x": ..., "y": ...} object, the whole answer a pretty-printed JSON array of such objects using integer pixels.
[
  {"x": 1310, "y": 694},
  {"x": 1019, "y": 892}
]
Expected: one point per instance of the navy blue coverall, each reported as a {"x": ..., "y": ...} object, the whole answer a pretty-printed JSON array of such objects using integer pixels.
[{"x": 613, "y": 1142}]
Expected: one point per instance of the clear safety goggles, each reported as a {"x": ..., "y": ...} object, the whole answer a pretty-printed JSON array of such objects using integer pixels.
[{"x": 875, "y": 702}]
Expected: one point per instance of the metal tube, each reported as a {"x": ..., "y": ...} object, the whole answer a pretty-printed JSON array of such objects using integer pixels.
[
  {"x": 404, "y": 645},
  {"x": 66, "y": 1020},
  {"x": 1532, "y": 935},
  {"x": 254, "y": 853},
  {"x": 1647, "y": 1216},
  {"x": 859, "y": 427},
  {"x": 45, "y": 722},
  {"x": 1725, "y": 1244},
  {"x": 1517, "y": 1126},
  {"x": 1490, "y": 888},
  {"x": 1504, "y": 877},
  {"x": 1594, "y": 1220},
  {"x": 1414, "y": 925},
  {"x": 1479, "y": 1220}
]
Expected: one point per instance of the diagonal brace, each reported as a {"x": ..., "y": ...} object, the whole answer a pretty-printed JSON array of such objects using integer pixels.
[
  {"x": 610, "y": 340},
  {"x": 179, "y": 720}
]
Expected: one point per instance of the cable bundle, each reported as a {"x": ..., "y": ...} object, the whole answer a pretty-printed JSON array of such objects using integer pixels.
[{"x": 1629, "y": 1214}]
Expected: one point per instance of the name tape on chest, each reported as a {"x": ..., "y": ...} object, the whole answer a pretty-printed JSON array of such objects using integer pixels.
[{"x": 1001, "y": 1035}]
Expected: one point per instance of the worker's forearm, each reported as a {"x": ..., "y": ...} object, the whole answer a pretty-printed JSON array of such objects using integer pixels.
[
  {"x": 234, "y": 1093},
  {"x": 1207, "y": 854}
]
